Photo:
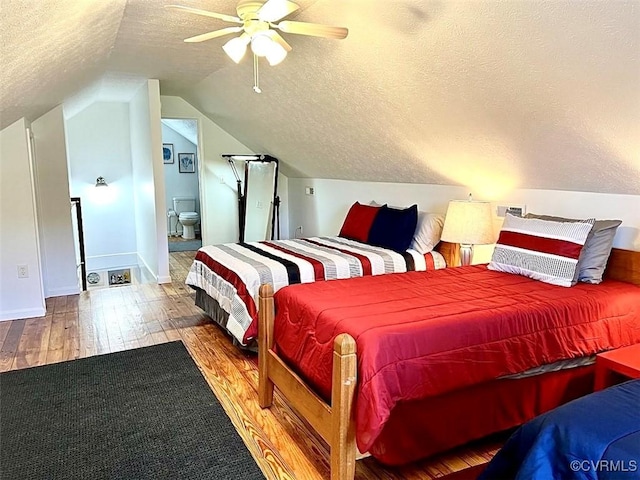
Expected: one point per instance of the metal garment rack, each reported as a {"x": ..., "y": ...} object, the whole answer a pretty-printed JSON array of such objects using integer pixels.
[{"x": 242, "y": 194}]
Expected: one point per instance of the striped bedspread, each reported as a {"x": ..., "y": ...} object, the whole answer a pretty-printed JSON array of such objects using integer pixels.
[{"x": 233, "y": 272}]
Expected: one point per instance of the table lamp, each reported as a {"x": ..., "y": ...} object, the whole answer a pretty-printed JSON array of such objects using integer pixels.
[{"x": 468, "y": 223}]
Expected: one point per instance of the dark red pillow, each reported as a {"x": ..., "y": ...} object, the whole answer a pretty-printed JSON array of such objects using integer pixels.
[{"x": 358, "y": 222}]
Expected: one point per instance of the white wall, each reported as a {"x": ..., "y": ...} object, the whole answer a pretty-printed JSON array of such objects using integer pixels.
[
  {"x": 324, "y": 212},
  {"x": 178, "y": 184},
  {"x": 218, "y": 196},
  {"x": 148, "y": 181},
  {"x": 59, "y": 270},
  {"x": 19, "y": 297},
  {"x": 283, "y": 193},
  {"x": 98, "y": 144}
]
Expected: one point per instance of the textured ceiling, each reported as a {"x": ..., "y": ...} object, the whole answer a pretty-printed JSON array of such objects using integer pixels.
[
  {"x": 187, "y": 128},
  {"x": 492, "y": 95}
]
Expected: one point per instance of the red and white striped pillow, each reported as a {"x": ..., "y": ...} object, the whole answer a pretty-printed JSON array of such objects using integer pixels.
[{"x": 540, "y": 249}]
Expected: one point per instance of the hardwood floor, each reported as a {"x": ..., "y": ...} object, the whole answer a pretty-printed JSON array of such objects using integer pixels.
[{"x": 118, "y": 318}]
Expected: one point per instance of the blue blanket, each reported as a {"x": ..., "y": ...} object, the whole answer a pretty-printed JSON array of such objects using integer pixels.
[{"x": 593, "y": 437}]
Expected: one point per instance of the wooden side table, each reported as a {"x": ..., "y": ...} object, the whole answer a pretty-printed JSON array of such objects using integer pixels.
[{"x": 623, "y": 361}]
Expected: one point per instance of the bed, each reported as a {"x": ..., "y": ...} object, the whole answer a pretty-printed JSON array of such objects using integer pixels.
[
  {"x": 227, "y": 277},
  {"x": 412, "y": 392},
  {"x": 597, "y": 436}
]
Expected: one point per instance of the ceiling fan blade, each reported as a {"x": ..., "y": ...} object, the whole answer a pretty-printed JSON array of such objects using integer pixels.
[
  {"x": 313, "y": 29},
  {"x": 214, "y": 34},
  {"x": 274, "y": 10},
  {"x": 197, "y": 11},
  {"x": 276, "y": 37}
]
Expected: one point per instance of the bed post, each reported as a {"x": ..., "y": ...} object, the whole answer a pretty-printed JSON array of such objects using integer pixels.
[
  {"x": 343, "y": 437},
  {"x": 266, "y": 313},
  {"x": 450, "y": 252}
]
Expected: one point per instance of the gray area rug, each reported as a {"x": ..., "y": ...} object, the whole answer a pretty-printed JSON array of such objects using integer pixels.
[
  {"x": 185, "y": 246},
  {"x": 138, "y": 414}
]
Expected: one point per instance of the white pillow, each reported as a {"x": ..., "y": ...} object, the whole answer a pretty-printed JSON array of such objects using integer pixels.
[
  {"x": 544, "y": 250},
  {"x": 428, "y": 232}
]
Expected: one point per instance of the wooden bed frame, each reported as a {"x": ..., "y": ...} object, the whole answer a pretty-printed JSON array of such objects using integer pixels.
[{"x": 335, "y": 422}]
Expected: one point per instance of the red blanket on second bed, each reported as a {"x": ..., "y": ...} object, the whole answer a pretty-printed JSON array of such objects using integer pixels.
[{"x": 422, "y": 334}]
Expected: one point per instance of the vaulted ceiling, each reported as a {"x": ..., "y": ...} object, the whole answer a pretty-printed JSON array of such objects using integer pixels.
[{"x": 503, "y": 94}]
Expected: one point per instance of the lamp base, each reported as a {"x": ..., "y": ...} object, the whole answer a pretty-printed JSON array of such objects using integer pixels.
[{"x": 466, "y": 254}]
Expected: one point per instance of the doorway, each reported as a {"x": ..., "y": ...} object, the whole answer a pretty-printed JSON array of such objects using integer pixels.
[{"x": 182, "y": 183}]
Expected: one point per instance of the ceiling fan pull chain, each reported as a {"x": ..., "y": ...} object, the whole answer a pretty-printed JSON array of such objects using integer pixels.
[{"x": 256, "y": 78}]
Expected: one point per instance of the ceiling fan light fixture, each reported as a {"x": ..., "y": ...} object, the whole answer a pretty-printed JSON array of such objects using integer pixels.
[
  {"x": 261, "y": 44},
  {"x": 276, "y": 54},
  {"x": 259, "y": 22},
  {"x": 235, "y": 48}
]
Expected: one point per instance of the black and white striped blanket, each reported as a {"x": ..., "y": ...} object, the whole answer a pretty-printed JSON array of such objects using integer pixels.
[{"x": 233, "y": 272}]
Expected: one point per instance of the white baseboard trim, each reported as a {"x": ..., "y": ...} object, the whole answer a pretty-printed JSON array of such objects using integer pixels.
[
  {"x": 22, "y": 313},
  {"x": 62, "y": 291},
  {"x": 145, "y": 271},
  {"x": 166, "y": 279}
]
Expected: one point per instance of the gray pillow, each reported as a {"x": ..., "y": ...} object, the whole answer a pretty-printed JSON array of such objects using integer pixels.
[{"x": 596, "y": 250}]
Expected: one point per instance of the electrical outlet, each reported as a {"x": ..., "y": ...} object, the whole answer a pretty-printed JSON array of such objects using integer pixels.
[
  {"x": 258, "y": 204},
  {"x": 298, "y": 232},
  {"x": 23, "y": 271},
  {"x": 309, "y": 190}
]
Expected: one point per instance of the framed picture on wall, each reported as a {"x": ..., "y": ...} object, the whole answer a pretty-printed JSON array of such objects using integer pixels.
[
  {"x": 167, "y": 152},
  {"x": 187, "y": 162}
]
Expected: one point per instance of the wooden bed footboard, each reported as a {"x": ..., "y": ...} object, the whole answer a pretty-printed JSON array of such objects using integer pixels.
[{"x": 334, "y": 422}]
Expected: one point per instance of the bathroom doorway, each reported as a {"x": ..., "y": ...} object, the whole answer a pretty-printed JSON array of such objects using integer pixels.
[{"x": 182, "y": 183}]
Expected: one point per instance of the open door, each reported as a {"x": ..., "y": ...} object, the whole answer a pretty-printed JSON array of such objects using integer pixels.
[{"x": 78, "y": 240}]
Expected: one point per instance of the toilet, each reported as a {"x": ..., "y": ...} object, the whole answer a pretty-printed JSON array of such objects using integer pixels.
[{"x": 185, "y": 207}]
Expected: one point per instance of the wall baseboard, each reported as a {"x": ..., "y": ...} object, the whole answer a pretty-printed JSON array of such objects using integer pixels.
[
  {"x": 145, "y": 272},
  {"x": 166, "y": 279},
  {"x": 62, "y": 291},
  {"x": 22, "y": 313}
]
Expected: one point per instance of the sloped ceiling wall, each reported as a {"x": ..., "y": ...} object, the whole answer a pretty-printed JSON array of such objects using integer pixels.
[
  {"x": 187, "y": 128},
  {"x": 501, "y": 95}
]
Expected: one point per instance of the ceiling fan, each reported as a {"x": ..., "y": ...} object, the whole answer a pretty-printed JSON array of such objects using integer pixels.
[{"x": 257, "y": 21}]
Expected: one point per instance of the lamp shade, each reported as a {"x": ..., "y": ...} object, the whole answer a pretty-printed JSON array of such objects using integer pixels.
[
  {"x": 469, "y": 223},
  {"x": 276, "y": 54},
  {"x": 261, "y": 44},
  {"x": 236, "y": 47}
]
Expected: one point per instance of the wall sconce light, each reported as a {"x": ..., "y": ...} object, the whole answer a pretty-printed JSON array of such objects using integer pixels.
[{"x": 101, "y": 182}]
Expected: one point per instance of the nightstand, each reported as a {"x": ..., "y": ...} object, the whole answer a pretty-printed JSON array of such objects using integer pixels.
[{"x": 623, "y": 361}]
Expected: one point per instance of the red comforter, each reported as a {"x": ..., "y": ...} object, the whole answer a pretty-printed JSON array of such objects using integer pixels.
[{"x": 422, "y": 334}]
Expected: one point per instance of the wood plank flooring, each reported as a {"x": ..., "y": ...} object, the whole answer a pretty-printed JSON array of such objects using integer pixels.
[{"x": 125, "y": 317}]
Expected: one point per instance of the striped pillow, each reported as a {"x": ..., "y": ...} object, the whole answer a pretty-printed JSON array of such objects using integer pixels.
[{"x": 540, "y": 249}]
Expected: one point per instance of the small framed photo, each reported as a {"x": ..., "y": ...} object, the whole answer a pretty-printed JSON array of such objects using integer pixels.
[
  {"x": 167, "y": 152},
  {"x": 187, "y": 162}
]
